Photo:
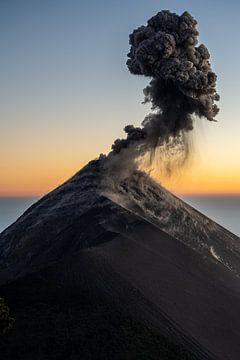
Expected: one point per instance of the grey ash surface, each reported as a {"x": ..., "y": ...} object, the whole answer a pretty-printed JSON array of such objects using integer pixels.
[{"x": 129, "y": 272}]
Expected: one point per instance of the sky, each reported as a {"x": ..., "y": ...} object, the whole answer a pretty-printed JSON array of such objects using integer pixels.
[{"x": 66, "y": 93}]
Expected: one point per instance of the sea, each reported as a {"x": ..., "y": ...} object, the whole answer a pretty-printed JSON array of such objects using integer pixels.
[{"x": 225, "y": 210}]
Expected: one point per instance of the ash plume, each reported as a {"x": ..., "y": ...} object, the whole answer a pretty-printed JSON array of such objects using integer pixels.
[{"x": 182, "y": 83}]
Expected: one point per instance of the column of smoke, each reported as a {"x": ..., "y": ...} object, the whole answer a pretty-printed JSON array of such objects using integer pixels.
[{"x": 182, "y": 87}]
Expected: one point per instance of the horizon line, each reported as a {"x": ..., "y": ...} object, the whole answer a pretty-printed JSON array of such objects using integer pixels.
[{"x": 21, "y": 196}]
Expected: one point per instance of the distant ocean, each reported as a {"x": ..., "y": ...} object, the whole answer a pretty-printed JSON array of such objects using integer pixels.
[
  {"x": 11, "y": 208},
  {"x": 225, "y": 210}
]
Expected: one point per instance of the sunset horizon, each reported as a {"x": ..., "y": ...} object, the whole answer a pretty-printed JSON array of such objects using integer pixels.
[{"x": 60, "y": 108}]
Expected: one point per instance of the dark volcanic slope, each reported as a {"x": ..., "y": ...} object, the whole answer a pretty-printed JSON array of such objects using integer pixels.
[{"x": 130, "y": 272}]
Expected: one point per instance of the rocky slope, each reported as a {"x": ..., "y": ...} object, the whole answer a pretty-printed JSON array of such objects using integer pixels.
[{"x": 127, "y": 269}]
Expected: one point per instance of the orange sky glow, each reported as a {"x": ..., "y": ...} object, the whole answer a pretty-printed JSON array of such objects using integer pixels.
[{"x": 35, "y": 179}]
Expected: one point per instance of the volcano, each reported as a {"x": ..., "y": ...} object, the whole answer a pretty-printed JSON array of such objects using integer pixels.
[{"x": 96, "y": 270}]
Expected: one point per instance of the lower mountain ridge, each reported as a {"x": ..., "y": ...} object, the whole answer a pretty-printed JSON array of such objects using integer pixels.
[{"x": 126, "y": 270}]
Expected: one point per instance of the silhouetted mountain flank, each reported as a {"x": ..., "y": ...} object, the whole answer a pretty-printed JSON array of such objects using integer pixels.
[{"x": 119, "y": 271}]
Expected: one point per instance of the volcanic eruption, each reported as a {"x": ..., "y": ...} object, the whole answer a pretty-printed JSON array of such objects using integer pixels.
[
  {"x": 93, "y": 271},
  {"x": 182, "y": 83}
]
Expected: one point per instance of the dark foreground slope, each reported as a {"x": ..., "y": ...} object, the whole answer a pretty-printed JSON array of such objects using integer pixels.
[{"x": 130, "y": 272}]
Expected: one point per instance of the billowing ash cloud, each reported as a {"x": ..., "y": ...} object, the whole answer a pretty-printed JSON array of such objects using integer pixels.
[{"x": 182, "y": 83}]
